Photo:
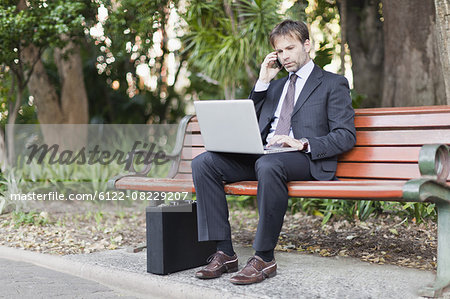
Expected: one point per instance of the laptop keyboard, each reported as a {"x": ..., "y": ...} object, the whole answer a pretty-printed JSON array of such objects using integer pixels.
[{"x": 269, "y": 150}]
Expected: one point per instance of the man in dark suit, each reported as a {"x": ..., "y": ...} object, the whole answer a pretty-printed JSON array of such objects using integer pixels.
[{"x": 310, "y": 110}]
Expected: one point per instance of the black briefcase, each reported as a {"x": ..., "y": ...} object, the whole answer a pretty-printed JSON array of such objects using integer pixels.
[{"x": 172, "y": 238}]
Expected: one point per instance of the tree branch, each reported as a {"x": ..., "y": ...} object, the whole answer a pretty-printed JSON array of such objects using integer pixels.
[
  {"x": 229, "y": 12},
  {"x": 33, "y": 64},
  {"x": 343, "y": 23}
]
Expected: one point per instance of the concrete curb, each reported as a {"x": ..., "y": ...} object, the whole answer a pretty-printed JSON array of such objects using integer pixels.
[
  {"x": 299, "y": 276},
  {"x": 125, "y": 282}
]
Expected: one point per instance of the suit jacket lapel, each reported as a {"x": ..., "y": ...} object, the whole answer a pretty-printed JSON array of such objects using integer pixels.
[
  {"x": 310, "y": 85},
  {"x": 271, "y": 103}
]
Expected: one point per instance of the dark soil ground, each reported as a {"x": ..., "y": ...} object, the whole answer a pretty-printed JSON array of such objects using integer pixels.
[
  {"x": 78, "y": 227},
  {"x": 381, "y": 240}
]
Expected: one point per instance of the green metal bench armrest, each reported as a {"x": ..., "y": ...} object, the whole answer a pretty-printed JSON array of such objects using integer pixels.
[
  {"x": 434, "y": 162},
  {"x": 426, "y": 190},
  {"x": 434, "y": 166},
  {"x": 175, "y": 156}
]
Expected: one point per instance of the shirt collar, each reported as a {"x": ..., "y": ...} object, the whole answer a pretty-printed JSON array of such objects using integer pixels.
[{"x": 305, "y": 70}]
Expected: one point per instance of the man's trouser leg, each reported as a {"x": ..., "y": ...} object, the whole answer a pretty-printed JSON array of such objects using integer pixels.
[
  {"x": 273, "y": 172},
  {"x": 209, "y": 171}
]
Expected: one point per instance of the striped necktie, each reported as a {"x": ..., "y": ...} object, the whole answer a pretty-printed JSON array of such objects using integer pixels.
[{"x": 284, "y": 122}]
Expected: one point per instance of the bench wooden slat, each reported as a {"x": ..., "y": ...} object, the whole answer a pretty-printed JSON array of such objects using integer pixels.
[
  {"x": 358, "y": 170},
  {"x": 378, "y": 138},
  {"x": 382, "y": 154},
  {"x": 193, "y": 140},
  {"x": 378, "y": 170},
  {"x": 382, "y": 190},
  {"x": 189, "y": 153},
  {"x": 402, "y": 137},
  {"x": 155, "y": 184},
  {"x": 403, "y": 121},
  {"x": 402, "y": 110},
  {"x": 193, "y": 127}
]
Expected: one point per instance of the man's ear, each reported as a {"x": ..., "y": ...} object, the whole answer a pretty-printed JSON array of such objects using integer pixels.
[{"x": 307, "y": 45}]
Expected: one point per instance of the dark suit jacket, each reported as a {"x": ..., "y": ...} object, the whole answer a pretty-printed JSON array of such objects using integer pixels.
[{"x": 323, "y": 114}]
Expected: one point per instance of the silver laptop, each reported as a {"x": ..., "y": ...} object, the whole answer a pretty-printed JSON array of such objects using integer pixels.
[{"x": 231, "y": 126}]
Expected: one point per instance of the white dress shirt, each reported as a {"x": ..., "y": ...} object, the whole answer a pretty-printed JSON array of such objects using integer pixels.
[{"x": 303, "y": 74}]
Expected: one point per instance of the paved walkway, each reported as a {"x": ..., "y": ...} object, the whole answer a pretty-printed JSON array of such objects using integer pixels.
[
  {"x": 112, "y": 274},
  {"x": 26, "y": 280}
]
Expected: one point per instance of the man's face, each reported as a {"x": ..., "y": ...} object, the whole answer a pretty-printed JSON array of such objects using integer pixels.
[{"x": 291, "y": 52}]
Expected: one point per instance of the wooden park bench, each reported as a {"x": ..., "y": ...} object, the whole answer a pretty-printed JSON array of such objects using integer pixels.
[{"x": 401, "y": 154}]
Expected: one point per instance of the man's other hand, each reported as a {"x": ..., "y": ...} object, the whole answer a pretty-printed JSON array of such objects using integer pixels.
[
  {"x": 285, "y": 141},
  {"x": 269, "y": 68}
]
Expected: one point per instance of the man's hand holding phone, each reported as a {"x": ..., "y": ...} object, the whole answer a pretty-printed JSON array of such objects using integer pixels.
[{"x": 270, "y": 67}]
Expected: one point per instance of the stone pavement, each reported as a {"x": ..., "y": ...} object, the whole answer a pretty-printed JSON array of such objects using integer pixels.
[{"x": 119, "y": 273}]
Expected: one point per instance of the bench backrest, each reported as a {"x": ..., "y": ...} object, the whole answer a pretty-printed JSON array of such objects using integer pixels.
[{"x": 387, "y": 147}]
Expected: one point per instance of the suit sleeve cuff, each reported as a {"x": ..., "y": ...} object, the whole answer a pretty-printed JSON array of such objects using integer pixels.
[
  {"x": 308, "y": 149},
  {"x": 261, "y": 86}
]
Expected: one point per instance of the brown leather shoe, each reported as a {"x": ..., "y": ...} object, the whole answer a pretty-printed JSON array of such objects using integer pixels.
[
  {"x": 256, "y": 270},
  {"x": 219, "y": 263}
]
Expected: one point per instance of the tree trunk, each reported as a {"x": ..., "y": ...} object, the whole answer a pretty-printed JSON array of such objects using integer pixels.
[
  {"x": 10, "y": 129},
  {"x": 412, "y": 68},
  {"x": 443, "y": 28},
  {"x": 71, "y": 108},
  {"x": 49, "y": 110},
  {"x": 74, "y": 100},
  {"x": 364, "y": 34}
]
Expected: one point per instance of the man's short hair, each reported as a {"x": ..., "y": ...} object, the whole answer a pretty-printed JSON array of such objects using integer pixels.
[{"x": 289, "y": 27}]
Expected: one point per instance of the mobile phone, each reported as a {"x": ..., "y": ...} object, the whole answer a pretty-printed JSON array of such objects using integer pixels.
[{"x": 278, "y": 63}]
